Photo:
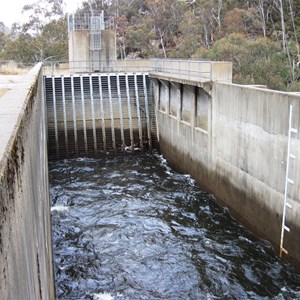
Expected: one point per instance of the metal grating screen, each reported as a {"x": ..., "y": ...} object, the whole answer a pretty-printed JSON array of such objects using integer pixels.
[{"x": 99, "y": 114}]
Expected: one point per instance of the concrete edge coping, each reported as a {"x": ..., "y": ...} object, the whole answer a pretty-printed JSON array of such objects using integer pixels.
[
  {"x": 194, "y": 80},
  {"x": 261, "y": 88},
  {"x": 12, "y": 107},
  {"x": 204, "y": 83}
]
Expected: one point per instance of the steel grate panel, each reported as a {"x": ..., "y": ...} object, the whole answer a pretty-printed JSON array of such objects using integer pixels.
[{"x": 99, "y": 114}]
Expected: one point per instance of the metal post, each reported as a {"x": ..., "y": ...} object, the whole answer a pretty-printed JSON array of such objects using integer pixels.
[
  {"x": 121, "y": 113},
  {"x": 93, "y": 117},
  {"x": 65, "y": 115},
  {"x": 74, "y": 115},
  {"x": 147, "y": 111},
  {"x": 83, "y": 116},
  {"x": 138, "y": 112},
  {"x": 129, "y": 112},
  {"x": 102, "y": 114},
  {"x": 55, "y": 118},
  {"x": 111, "y": 115}
]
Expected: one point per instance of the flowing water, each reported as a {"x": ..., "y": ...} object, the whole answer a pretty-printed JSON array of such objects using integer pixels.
[{"x": 132, "y": 228}]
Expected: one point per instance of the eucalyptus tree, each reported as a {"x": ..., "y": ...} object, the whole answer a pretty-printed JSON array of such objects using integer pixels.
[
  {"x": 166, "y": 16},
  {"x": 255, "y": 61},
  {"x": 44, "y": 32},
  {"x": 40, "y": 13}
]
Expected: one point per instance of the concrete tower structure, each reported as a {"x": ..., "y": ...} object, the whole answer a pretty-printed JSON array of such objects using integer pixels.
[{"x": 92, "y": 42}]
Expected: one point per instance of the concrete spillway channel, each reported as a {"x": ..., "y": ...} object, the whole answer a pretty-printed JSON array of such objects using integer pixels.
[
  {"x": 99, "y": 114},
  {"x": 238, "y": 152}
]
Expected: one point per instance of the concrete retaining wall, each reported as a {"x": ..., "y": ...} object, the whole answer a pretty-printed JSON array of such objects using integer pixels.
[
  {"x": 239, "y": 154},
  {"x": 26, "y": 270}
]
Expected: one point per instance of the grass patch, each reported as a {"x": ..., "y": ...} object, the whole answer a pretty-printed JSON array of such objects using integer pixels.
[{"x": 12, "y": 71}]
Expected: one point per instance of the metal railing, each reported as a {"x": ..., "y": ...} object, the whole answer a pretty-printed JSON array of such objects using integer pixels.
[
  {"x": 183, "y": 67},
  {"x": 113, "y": 66},
  {"x": 179, "y": 68},
  {"x": 84, "y": 21},
  {"x": 193, "y": 69}
]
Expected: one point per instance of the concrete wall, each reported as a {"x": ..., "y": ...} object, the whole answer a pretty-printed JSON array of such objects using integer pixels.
[
  {"x": 26, "y": 270},
  {"x": 239, "y": 153},
  {"x": 83, "y": 59},
  {"x": 133, "y": 65}
]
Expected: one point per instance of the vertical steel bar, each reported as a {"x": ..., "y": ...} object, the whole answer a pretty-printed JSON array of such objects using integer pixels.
[
  {"x": 121, "y": 113},
  {"x": 111, "y": 115},
  {"x": 55, "y": 118},
  {"x": 147, "y": 111},
  {"x": 74, "y": 115},
  {"x": 93, "y": 116},
  {"x": 129, "y": 112},
  {"x": 138, "y": 112},
  {"x": 65, "y": 114},
  {"x": 83, "y": 116},
  {"x": 157, "y": 101},
  {"x": 102, "y": 114}
]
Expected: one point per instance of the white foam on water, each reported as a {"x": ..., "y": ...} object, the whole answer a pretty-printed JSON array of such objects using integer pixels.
[
  {"x": 103, "y": 296},
  {"x": 59, "y": 208}
]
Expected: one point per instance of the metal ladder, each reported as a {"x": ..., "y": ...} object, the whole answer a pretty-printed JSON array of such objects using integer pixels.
[{"x": 288, "y": 181}]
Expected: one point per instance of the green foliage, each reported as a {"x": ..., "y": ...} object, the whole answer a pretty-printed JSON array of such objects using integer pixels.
[
  {"x": 139, "y": 39},
  {"x": 21, "y": 50},
  {"x": 258, "y": 61},
  {"x": 190, "y": 36},
  {"x": 248, "y": 33},
  {"x": 27, "y": 48},
  {"x": 54, "y": 39},
  {"x": 3, "y": 41}
]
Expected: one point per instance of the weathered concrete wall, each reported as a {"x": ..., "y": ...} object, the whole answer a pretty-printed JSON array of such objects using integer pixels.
[
  {"x": 133, "y": 65},
  {"x": 26, "y": 270},
  {"x": 83, "y": 59},
  {"x": 239, "y": 154}
]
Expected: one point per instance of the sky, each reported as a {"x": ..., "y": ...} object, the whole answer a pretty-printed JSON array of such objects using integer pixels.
[{"x": 11, "y": 11}]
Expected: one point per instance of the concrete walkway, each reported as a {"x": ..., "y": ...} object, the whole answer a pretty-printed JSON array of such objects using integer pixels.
[
  {"x": 14, "y": 90},
  {"x": 8, "y": 82}
]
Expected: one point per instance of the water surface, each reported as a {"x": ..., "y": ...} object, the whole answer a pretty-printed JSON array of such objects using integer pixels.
[{"x": 132, "y": 228}]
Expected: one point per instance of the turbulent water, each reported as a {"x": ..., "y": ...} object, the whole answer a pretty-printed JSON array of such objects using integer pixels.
[{"x": 132, "y": 228}]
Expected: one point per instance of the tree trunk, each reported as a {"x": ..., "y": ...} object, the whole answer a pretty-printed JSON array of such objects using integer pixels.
[
  {"x": 161, "y": 34},
  {"x": 294, "y": 28},
  {"x": 217, "y": 12},
  {"x": 282, "y": 26},
  {"x": 260, "y": 7}
]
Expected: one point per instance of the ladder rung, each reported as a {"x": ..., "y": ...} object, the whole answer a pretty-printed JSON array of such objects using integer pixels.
[
  {"x": 286, "y": 228},
  {"x": 290, "y": 181},
  {"x": 288, "y": 205},
  {"x": 294, "y": 130},
  {"x": 284, "y": 250},
  {"x": 292, "y": 156}
]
